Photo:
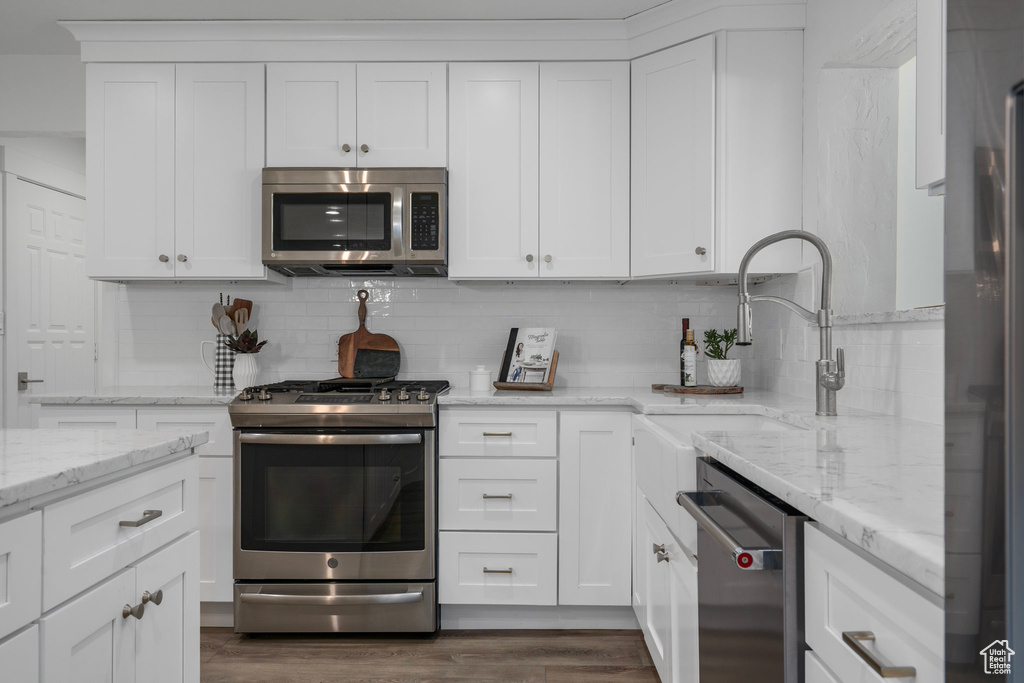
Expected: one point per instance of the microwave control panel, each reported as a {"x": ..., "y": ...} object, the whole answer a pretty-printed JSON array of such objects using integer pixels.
[{"x": 426, "y": 221}]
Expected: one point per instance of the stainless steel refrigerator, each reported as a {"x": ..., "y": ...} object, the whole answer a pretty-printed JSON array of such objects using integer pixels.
[{"x": 984, "y": 291}]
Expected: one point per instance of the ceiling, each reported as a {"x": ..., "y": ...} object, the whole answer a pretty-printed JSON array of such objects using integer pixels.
[{"x": 29, "y": 27}]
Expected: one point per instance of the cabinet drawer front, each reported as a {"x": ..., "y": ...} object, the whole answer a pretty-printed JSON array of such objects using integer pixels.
[
  {"x": 815, "y": 671},
  {"x": 212, "y": 420},
  {"x": 464, "y": 557},
  {"x": 498, "y": 494},
  {"x": 93, "y": 417},
  {"x": 845, "y": 592},
  {"x": 498, "y": 433},
  {"x": 84, "y": 541},
  {"x": 21, "y": 571},
  {"x": 19, "y": 657}
]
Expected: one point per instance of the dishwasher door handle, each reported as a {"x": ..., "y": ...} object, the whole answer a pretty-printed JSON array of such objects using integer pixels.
[{"x": 750, "y": 559}]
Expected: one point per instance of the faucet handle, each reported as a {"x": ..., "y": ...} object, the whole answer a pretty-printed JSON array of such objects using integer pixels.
[{"x": 840, "y": 362}]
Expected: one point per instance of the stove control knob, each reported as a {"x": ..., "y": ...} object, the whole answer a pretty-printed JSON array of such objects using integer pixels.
[
  {"x": 384, "y": 395},
  {"x": 265, "y": 395},
  {"x": 403, "y": 395},
  {"x": 245, "y": 395},
  {"x": 423, "y": 395}
]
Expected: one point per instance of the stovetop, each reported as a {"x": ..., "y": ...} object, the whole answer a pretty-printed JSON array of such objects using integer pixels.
[{"x": 339, "y": 403}]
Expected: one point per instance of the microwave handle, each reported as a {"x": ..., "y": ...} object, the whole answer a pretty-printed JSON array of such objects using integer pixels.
[
  {"x": 330, "y": 439},
  {"x": 397, "y": 219}
]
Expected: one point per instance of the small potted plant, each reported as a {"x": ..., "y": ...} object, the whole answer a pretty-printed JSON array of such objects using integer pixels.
[
  {"x": 722, "y": 372},
  {"x": 245, "y": 345}
]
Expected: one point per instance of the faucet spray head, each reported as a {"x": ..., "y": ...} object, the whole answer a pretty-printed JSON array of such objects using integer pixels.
[{"x": 744, "y": 322}]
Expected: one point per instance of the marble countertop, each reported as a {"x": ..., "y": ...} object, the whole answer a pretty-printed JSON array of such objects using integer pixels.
[
  {"x": 38, "y": 461},
  {"x": 141, "y": 396},
  {"x": 876, "y": 480}
]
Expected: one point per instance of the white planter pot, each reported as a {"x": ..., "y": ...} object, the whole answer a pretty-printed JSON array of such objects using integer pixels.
[
  {"x": 721, "y": 373},
  {"x": 244, "y": 372}
]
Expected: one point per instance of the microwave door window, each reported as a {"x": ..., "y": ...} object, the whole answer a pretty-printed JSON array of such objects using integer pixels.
[{"x": 332, "y": 221}]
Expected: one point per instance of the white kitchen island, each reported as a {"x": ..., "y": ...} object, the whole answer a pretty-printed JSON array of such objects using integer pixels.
[{"x": 99, "y": 547}]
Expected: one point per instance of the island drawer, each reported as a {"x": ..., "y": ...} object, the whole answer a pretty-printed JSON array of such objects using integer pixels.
[
  {"x": 497, "y": 568},
  {"x": 21, "y": 562},
  {"x": 886, "y": 618},
  {"x": 498, "y": 494},
  {"x": 498, "y": 433},
  {"x": 91, "y": 536}
]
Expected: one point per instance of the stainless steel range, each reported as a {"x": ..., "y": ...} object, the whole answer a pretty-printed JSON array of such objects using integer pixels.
[{"x": 335, "y": 506}]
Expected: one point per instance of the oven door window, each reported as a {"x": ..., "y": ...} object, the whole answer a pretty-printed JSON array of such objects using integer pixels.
[
  {"x": 332, "y": 221},
  {"x": 332, "y": 498}
]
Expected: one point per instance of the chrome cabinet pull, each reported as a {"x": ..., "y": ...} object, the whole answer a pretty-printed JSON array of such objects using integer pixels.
[
  {"x": 346, "y": 148},
  {"x": 147, "y": 517},
  {"x": 547, "y": 258},
  {"x": 508, "y": 434},
  {"x": 658, "y": 548},
  {"x": 700, "y": 251},
  {"x": 497, "y": 571},
  {"x": 488, "y": 496},
  {"x": 182, "y": 258},
  {"x": 332, "y": 600},
  {"x": 662, "y": 557},
  {"x": 155, "y": 598},
  {"x": 529, "y": 258},
  {"x": 129, "y": 611},
  {"x": 364, "y": 148},
  {"x": 752, "y": 559},
  {"x": 856, "y": 640},
  {"x": 164, "y": 258}
]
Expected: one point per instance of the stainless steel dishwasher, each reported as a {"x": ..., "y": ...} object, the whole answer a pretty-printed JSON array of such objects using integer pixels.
[{"x": 749, "y": 579}]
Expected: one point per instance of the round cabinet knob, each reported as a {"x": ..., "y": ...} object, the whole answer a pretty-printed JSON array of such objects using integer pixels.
[
  {"x": 164, "y": 258},
  {"x": 547, "y": 258},
  {"x": 182, "y": 258},
  {"x": 529, "y": 258},
  {"x": 129, "y": 611},
  {"x": 155, "y": 598},
  {"x": 364, "y": 148},
  {"x": 700, "y": 251},
  {"x": 346, "y": 148}
]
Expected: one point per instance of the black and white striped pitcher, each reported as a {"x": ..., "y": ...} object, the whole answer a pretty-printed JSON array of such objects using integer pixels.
[{"x": 223, "y": 363}]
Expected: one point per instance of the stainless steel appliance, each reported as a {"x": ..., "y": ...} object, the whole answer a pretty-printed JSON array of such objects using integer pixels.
[
  {"x": 335, "y": 510},
  {"x": 355, "y": 221},
  {"x": 750, "y": 582},
  {"x": 984, "y": 288}
]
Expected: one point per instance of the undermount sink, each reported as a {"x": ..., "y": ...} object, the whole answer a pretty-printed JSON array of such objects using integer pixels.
[{"x": 683, "y": 426}]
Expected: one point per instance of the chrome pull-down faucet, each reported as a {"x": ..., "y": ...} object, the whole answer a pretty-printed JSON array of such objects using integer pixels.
[{"x": 831, "y": 373}]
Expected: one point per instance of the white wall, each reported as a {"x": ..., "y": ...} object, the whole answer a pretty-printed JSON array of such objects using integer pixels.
[{"x": 43, "y": 94}]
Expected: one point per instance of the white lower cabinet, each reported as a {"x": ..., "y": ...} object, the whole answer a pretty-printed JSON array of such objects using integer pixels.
[
  {"x": 19, "y": 656},
  {"x": 216, "y": 579},
  {"x": 856, "y": 612},
  {"x": 21, "y": 571},
  {"x": 139, "y": 625},
  {"x": 815, "y": 671}
]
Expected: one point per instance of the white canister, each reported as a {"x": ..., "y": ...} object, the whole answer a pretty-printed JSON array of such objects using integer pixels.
[{"x": 480, "y": 379}]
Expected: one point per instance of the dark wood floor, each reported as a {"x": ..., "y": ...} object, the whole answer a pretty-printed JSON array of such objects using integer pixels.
[{"x": 491, "y": 656}]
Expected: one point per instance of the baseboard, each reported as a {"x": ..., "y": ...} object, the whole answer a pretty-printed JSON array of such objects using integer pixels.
[
  {"x": 217, "y": 614},
  {"x": 471, "y": 617}
]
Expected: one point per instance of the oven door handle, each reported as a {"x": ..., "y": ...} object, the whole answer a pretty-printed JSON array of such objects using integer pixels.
[
  {"x": 750, "y": 559},
  {"x": 330, "y": 439},
  {"x": 332, "y": 600}
]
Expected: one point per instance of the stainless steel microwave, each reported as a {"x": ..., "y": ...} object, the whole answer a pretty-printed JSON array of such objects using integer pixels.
[{"x": 355, "y": 221}]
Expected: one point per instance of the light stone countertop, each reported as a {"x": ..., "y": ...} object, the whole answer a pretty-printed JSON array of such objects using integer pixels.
[
  {"x": 876, "y": 480},
  {"x": 38, "y": 461},
  {"x": 141, "y": 396}
]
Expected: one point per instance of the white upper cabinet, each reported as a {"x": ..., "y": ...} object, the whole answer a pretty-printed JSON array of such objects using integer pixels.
[
  {"x": 366, "y": 115},
  {"x": 174, "y": 161},
  {"x": 218, "y": 166},
  {"x": 931, "y": 92},
  {"x": 560, "y": 212},
  {"x": 584, "y": 170},
  {"x": 493, "y": 171},
  {"x": 673, "y": 130},
  {"x": 130, "y": 170},
  {"x": 717, "y": 153}
]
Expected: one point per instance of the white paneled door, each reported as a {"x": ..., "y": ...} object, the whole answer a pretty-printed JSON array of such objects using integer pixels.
[{"x": 50, "y": 322}]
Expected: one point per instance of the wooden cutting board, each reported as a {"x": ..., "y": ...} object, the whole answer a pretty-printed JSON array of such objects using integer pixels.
[
  {"x": 363, "y": 355},
  {"x": 698, "y": 389}
]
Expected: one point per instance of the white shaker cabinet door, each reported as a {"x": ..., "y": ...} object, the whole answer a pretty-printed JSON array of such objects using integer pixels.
[
  {"x": 130, "y": 170},
  {"x": 673, "y": 160},
  {"x": 311, "y": 114},
  {"x": 216, "y": 562},
  {"x": 401, "y": 113},
  {"x": 493, "y": 175},
  {"x": 594, "y": 509},
  {"x": 219, "y": 140},
  {"x": 584, "y": 170},
  {"x": 653, "y": 541}
]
